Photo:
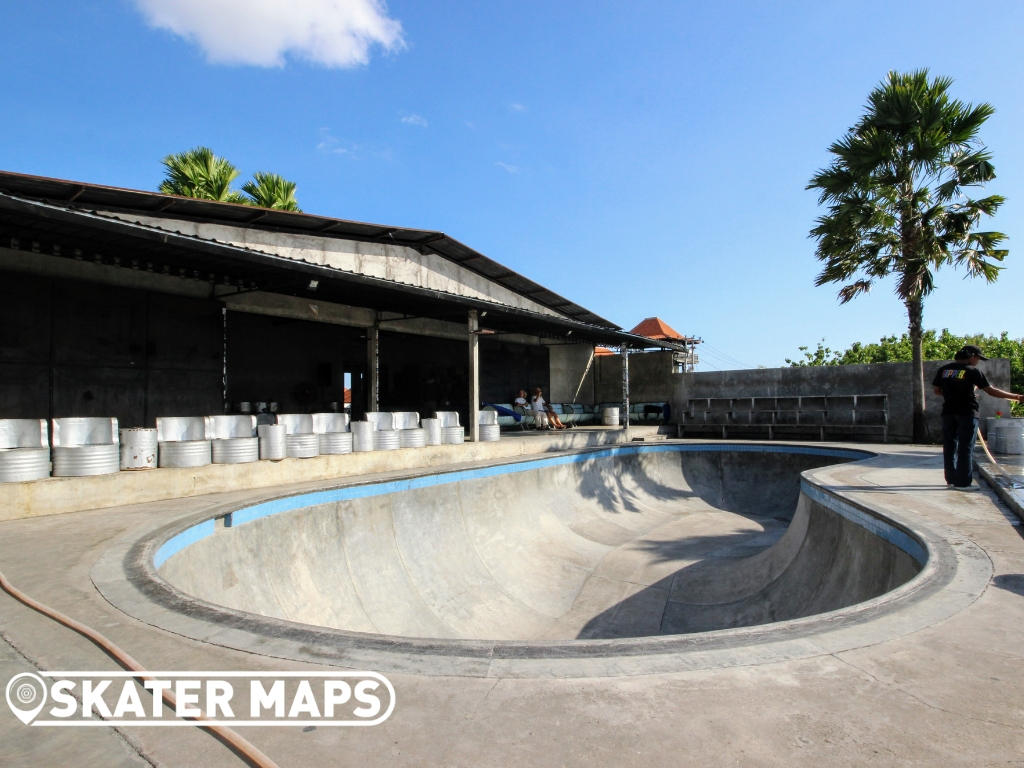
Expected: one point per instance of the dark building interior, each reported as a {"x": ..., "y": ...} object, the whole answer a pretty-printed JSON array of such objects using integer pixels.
[{"x": 71, "y": 348}]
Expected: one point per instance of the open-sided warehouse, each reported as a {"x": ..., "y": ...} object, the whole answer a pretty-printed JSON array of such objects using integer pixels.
[{"x": 136, "y": 305}]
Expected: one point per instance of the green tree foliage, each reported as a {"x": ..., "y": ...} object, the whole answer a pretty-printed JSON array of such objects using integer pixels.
[
  {"x": 268, "y": 190},
  {"x": 935, "y": 346},
  {"x": 201, "y": 174},
  {"x": 898, "y": 203}
]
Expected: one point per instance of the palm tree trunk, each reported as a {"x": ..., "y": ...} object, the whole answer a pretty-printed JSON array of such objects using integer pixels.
[{"x": 915, "y": 314}]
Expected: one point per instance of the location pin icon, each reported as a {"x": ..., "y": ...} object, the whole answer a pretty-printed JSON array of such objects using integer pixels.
[{"x": 23, "y": 691}]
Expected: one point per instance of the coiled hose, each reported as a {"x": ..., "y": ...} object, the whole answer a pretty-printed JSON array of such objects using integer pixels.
[{"x": 234, "y": 741}]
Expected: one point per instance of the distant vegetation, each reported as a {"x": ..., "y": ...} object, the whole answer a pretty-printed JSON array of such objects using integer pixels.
[
  {"x": 201, "y": 174},
  {"x": 934, "y": 346}
]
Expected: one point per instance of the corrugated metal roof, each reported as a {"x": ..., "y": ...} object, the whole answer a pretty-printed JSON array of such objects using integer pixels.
[
  {"x": 95, "y": 196},
  {"x": 70, "y": 232}
]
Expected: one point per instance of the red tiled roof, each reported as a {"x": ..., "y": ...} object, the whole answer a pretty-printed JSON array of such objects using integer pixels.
[
  {"x": 602, "y": 351},
  {"x": 655, "y": 328}
]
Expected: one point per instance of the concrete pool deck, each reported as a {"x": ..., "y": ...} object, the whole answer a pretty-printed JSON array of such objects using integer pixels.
[{"x": 943, "y": 690}]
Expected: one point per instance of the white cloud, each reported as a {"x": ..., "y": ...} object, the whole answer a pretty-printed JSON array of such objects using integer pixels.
[
  {"x": 414, "y": 119},
  {"x": 334, "y": 33},
  {"x": 507, "y": 167},
  {"x": 516, "y": 107}
]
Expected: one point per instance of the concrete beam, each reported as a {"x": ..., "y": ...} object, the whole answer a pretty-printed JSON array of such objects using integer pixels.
[
  {"x": 45, "y": 265},
  {"x": 296, "y": 308}
]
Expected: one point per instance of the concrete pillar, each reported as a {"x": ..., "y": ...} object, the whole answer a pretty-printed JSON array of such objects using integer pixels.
[
  {"x": 625, "y": 388},
  {"x": 474, "y": 376},
  {"x": 373, "y": 368}
]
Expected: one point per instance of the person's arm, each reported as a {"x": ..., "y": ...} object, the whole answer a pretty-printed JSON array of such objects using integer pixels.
[
  {"x": 938, "y": 391},
  {"x": 1003, "y": 394}
]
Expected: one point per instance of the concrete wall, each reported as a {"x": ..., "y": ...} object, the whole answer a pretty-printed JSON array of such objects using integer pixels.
[
  {"x": 892, "y": 379},
  {"x": 650, "y": 378},
  {"x": 569, "y": 373}
]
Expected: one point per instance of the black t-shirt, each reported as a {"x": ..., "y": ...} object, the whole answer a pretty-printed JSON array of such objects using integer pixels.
[{"x": 957, "y": 381}]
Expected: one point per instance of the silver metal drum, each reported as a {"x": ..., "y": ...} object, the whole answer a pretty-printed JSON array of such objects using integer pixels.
[
  {"x": 185, "y": 453},
  {"x": 84, "y": 460},
  {"x": 412, "y": 438},
  {"x": 453, "y": 435},
  {"x": 24, "y": 450},
  {"x": 297, "y": 423},
  {"x": 74, "y": 431},
  {"x": 176, "y": 429},
  {"x": 232, "y": 427},
  {"x": 304, "y": 446},
  {"x": 236, "y": 450},
  {"x": 138, "y": 449},
  {"x": 335, "y": 442},
  {"x": 490, "y": 433},
  {"x": 326, "y": 423},
  {"x": 381, "y": 420},
  {"x": 20, "y": 464},
  {"x": 386, "y": 440},
  {"x": 448, "y": 418},
  {"x": 610, "y": 417},
  {"x": 362, "y": 436},
  {"x": 405, "y": 420},
  {"x": 273, "y": 441},
  {"x": 432, "y": 431}
]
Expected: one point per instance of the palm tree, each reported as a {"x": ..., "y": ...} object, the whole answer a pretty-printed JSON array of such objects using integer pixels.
[
  {"x": 200, "y": 173},
  {"x": 897, "y": 201},
  {"x": 268, "y": 190}
]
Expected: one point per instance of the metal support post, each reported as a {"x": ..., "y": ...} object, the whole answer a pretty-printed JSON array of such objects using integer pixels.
[
  {"x": 625, "y": 388},
  {"x": 474, "y": 376},
  {"x": 373, "y": 368}
]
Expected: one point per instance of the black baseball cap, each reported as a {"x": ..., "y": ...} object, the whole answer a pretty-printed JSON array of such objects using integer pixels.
[{"x": 970, "y": 350}]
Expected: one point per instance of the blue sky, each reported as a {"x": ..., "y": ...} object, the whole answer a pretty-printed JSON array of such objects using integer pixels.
[{"x": 641, "y": 158}]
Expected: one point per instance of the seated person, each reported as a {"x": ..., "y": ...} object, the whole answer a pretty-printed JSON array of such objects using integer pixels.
[
  {"x": 540, "y": 418},
  {"x": 540, "y": 406}
]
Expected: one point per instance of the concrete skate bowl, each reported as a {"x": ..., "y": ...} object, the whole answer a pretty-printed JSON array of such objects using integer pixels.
[{"x": 590, "y": 552}]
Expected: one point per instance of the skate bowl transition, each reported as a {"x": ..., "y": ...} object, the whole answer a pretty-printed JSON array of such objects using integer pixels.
[{"x": 593, "y": 553}]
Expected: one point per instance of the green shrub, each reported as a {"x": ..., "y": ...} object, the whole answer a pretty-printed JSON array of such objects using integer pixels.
[{"x": 935, "y": 345}]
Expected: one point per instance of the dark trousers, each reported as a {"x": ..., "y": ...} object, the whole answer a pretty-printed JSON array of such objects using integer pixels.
[{"x": 959, "y": 431}]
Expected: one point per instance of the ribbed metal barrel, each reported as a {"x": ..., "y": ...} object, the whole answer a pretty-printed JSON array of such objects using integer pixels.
[
  {"x": 297, "y": 423},
  {"x": 1006, "y": 435},
  {"x": 490, "y": 433},
  {"x": 610, "y": 417},
  {"x": 19, "y": 464},
  {"x": 448, "y": 418},
  {"x": 362, "y": 436},
  {"x": 273, "y": 441},
  {"x": 303, "y": 446},
  {"x": 415, "y": 437},
  {"x": 138, "y": 449},
  {"x": 432, "y": 431},
  {"x": 236, "y": 450},
  {"x": 185, "y": 453},
  {"x": 335, "y": 442},
  {"x": 83, "y": 460},
  {"x": 231, "y": 427},
  {"x": 453, "y": 435},
  {"x": 324, "y": 423},
  {"x": 386, "y": 440}
]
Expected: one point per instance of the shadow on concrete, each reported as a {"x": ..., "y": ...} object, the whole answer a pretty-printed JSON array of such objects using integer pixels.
[{"x": 1011, "y": 582}]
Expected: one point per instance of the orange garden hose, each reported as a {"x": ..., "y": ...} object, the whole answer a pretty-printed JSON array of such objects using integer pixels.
[
  {"x": 239, "y": 745},
  {"x": 991, "y": 458}
]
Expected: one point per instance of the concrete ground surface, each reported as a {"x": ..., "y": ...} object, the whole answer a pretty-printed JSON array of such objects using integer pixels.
[{"x": 950, "y": 692}]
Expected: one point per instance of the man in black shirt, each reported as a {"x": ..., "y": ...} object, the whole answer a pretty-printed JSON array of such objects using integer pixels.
[{"x": 956, "y": 383}]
